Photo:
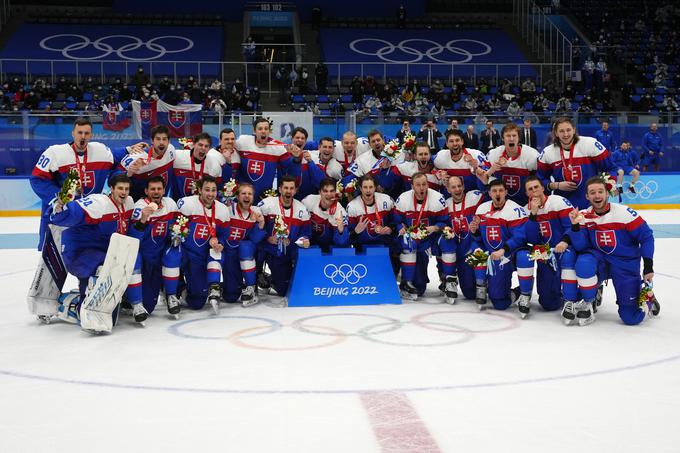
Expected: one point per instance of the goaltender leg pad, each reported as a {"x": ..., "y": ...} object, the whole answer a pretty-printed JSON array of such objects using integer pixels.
[
  {"x": 49, "y": 278},
  {"x": 100, "y": 303}
]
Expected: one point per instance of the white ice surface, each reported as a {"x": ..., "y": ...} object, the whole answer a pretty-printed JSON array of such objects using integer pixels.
[{"x": 478, "y": 381}]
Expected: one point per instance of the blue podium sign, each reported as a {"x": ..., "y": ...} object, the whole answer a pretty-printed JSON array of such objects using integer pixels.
[{"x": 343, "y": 277}]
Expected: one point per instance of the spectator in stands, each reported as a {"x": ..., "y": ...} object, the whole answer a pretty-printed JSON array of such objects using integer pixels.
[
  {"x": 669, "y": 104},
  {"x": 141, "y": 77},
  {"x": 527, "y": 135},
  {"x": 453, "y": 125},
  {"x": 482, "y": 86},
  {"x": 249, "y": 48},
  {"x": 282, "y": 79},
  {"x": 601, "y": 75},
  {"x": 438, "y": 112},
  {"x": 490, "y": 138},
  {"x": 514, "y": 111},
  {"x": 587, "y": 72},
  {"x": 407, "y": 94},
  {"x": 606, "y": 137},
  {"x": 470, "y": 139},
  {"x": 430, "y": 135},
  {"x": 356, "y": 89},
  {"x": 652, "y": 148},
  {"x": 321, "y": 73},
  {"x": 479, "y": 118},
  {"x": 541, "y": 104},
  {"x": 370, "y": 86},
  {"x": 404, "y": 131},
  {"x": 218, "y": 105},
  {"x": 506, "y": 89},
  {"x": 470, "y": 104},
  {"x": 528, "y": 90},
  {"x": 303, "y": 80},
  {"x": 436, "y": 90},
  {"x": 493, "y": 104},
  {"x": 563, "y": 106}
]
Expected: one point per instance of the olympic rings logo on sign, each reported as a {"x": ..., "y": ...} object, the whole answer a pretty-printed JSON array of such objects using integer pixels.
[
  {"x": 435, "y": 49},
  {"x": 644, "y": 190},
  {"x": 100, "y": 44},
  {"x": 345, "y": 273}
]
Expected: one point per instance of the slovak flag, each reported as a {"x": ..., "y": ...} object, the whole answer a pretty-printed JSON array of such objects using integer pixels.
[
  {"x": 182, "y": 120},
  {"x": 144, "y": 118},
  {"x": 115, "y": 118}
]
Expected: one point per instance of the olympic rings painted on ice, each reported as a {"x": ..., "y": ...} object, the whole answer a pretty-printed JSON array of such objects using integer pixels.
[
  {"x": 176, "y": 329},
  {"x": 345, "y": 273},
  {"x": 513, "y": 322},
  {"x": 366, "y": 334},
  {"x": 435, "y": 49},
  {"x": 236, "y": 338},
  {"x": 298, "y": 323},
  {"x": 106, "y": 49}
]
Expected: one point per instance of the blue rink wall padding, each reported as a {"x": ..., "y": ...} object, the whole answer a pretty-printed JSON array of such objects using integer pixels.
[
  {"x": 97, "y": 43},
  {"x": 343, "y": 277},
  {"x": 441, "y": 48},
  {"x": 652, "y": 189}
]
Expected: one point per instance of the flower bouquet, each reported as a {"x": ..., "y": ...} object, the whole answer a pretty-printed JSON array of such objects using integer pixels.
[
  {"x": 448, "y": 232},
  {"x": 647, "y": 300},
  {"x": 269, "y": 193},
  {"x": 71, "y": 187},
  {"x": 409, "y": 143},
  {"x": 281, "y": 232},
  {"x": 609, "y": 183},
  {"x": 179, "y": 231},
  {"x": 477, "y": 259},
  {"x": 186, "y": 142},
  {"x": 541, "y": 253},
  {"x": 392, "y": 150}
]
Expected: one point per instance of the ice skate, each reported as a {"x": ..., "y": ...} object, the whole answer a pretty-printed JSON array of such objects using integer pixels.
[
  {"x": 68, "y": 307},
  {"x": 249, "y": 296},
  {"x": 139, "y": 313},
  {"x": 214, "y": 296},
  {"x": 524, "y": 305},
  {"x": 584, "y": 313},
  {"x": 568, "y": 313},
  {"x": 598, "y": 297},
  {"x": 264, "y": 282},
  {"x": 451, "y": 289},
  {"x": 409, "y": 292},
  {"x": 481, "y": 296},
  {"x": 173, "y": 304}
]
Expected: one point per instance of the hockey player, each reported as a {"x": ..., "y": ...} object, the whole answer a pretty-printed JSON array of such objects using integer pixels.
[
  {"x": 422, "y": 164},
  {"x": 191, "y": 166},
  {"x": 456, "y": 160},
  {"x": 610, "y": 239},
  {"x": 512, "y": 163},
  {"x": 202, "y": 249},
  {"x": 157, "y": 161},
  {"x": 461, "y": 208},
  {"x": 328, "y": 217},
  {"x": 246, "y": 230},
  {"x": 499, "y": 225},
  {"x": 92, "y": 160},
  {"x": 316, "y": 166},
  {"x": 549, "y": 224},
  {"x": 89, "y": 223},
  {"x": 225, "y": 154},
  {"x": 347, "y": 150},
  {"x": 626, "y": 162},
  {"x": 370, "y": 216},
  {"x": 281, "y": 248},
  {"x": 159, "y": 256},
  {"x": 570, "y": 161},
  {"x": 261, "y": 157},
  {"x": 424, "y": 207},
  {"x": 374, "y": 164}
]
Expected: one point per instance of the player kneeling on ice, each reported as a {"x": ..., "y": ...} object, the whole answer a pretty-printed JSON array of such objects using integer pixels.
[
  {"x": 499, "y": 227},
  {"x": 420, "y": 214},
  {"x": 610, "y": 239},
  {"x": 202, "y": 249},
  {"x": 95, "y": 236},
  {"x": 153, "y": 222},
  {"x": 456, "y": 240},
  {"x": 246, "y": 230},
  {"x": 547, "y": 230}
]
